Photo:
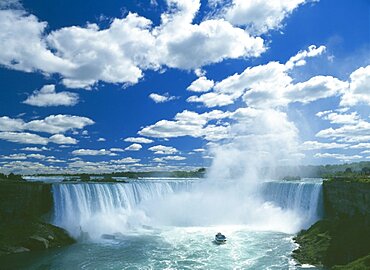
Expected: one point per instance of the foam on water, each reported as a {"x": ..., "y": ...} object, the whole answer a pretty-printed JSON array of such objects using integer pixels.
[{"x": 122, "y": 207}]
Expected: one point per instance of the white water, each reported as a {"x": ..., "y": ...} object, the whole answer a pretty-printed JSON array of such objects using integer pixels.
[
  {"x": 110, "y": 208},
  {"x": 304, "y": 199}
]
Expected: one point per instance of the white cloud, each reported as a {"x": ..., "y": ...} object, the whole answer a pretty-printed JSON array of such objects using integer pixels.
[
  {"x": 116, "y": 150},
  {"x": 163, "y": 150},
  {"x": 9, "y": 124},
  {"x": 359, "y": 132},
  {"x": 134, "y": 147},
  {"x": 189, "y": 123},
  {"x": 27, "y": 167},
  {"x": 336, "y": 118},
  {"x": 29, "y": 138},
  {"x": 361, "y": 145},
  {"x": 212, "y": 99},
  {"x": 47, "y": 96},
  {"x": 36, "y": 156},
  {"x": 341, "y": 157},
  {"x": 201, "y": 84},
  {"x": 58, "y": 123},
  {"x": 91, "y": 152},
  {"x": 200, "y": 72},
  {"x": 126, "y": 160},
  {"x": 19, "y": 156},
  {"x": 138, "y": 140},
  {"x": 299, "y": 58},
  {"x": 7, "y": 4},
  {"x": 52, "y": 124},
  {"x": 189, "y": 46},
  {"x": 359, "y": 91},
  {"x": 61, "y": 139},
  {"x": 161, "y": 98},
  {"x": 315, "y": 145},
  {"x": 25, "y": 48},
  {"x": 35, "y": 149},
  {"x": 259, "y": 15},
  {"x": 317, "y": 87},
  {"x": 323, "y": 113},
  {"x": 23, "y": 137},
  {"x": 101, "y": 140},
  {"x": 163, "y": 159},
  {"x": 122, "y": 51},
  {"x": 271, "y": 85}
]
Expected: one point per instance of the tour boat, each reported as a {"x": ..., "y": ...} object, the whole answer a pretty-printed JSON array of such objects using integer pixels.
[{"x": 220, "y": 238}]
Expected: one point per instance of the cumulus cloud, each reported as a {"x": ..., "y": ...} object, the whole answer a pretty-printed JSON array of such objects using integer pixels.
[
  {"x": 10, "y": 124},
  {"x": 341, "y": 157},
  {"x": 163, "y": 150},
  {"x": 126, "y": 160},
  {"x": 358, "y": 92},
  {"x": 35, "y": 149},
  {"x": 337, "y": 118},
  {"x": 361, "y": 145},
  {"x": 133, "y": 147},
  {"x": 164, "y": 159},
  {"x": 138, "y": 140},
  {"x": 25, "y": 47},
  {"x": 23, "y": 137},
  {"x": 358, "y": 132},
  {"x": 300, "y": 58},
  {"x": 30, "y": 138},
  {"x": 61, "y": 139},
  {"x": 19, "y": 156},
  {"x": 201, "y": 84},
  {"x": 188, "y": 123},
  {"x": 52, "y": 124},
  {"x": 116, "y": 150},
  {"x": 47, "y": 96},
  {"x": 121, "y": 52},
  {"x": 161, "y": 98},
  {"x": 271, "y": 85},
  {"x": 259, "y": 15},
  {"x": 92, "y": 152},
  {"x": 315, "y": 145},
  {"x": 212, "y": 99},
  {"x": 58, "y": 123}
]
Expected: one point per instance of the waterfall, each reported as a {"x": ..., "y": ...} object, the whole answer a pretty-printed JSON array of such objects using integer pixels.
[
  {"x": 303, "y": 198},
  {"x": 78, "y": 206},
  {"x": 108, "y": 208}
]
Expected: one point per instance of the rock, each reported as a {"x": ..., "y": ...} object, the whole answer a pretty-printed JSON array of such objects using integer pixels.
[
  {"x": 332, "y": 242},
  {"x": 51, "y": 238},
  {"x": 18, "y": 249},
  {"x": 37, "y": 243}
]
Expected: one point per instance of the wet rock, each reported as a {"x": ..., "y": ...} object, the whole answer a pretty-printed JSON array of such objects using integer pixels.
[{"x": 37, "y": 243}]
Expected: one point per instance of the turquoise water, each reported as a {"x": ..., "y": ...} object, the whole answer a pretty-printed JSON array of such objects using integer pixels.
[
  {"x": 170, "y": 224},
  {"x": 170, "y": 248}
]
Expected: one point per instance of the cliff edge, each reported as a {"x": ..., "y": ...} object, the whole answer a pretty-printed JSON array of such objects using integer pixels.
[{"x": 25, "y": 209}]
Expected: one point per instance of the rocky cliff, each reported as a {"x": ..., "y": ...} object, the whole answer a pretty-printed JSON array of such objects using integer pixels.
[
  {"x": 25, "y": 209},
  {"x": 343, "y": 236},
  {"x": 24, "y": 200},
  {"x": 346, "y": 199}
]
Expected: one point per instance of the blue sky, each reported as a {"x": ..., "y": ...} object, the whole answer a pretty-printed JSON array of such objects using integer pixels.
[{"x": 158, "y": 85}]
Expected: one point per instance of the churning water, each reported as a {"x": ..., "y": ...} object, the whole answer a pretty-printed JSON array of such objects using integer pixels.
[{"x": 162, "y": 224}]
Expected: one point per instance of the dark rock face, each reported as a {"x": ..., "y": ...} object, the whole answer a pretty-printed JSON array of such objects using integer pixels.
[
  {"x": 24, "y": 200},
  {"x": 333, "y": 242},
  {"x": 344, "y": 235},
  {"x": 23, "y": 209},
  {"x": 347, "y": 199}
]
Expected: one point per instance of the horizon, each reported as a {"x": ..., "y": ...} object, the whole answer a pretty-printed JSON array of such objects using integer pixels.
[{"x": 164, "y": 85}]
